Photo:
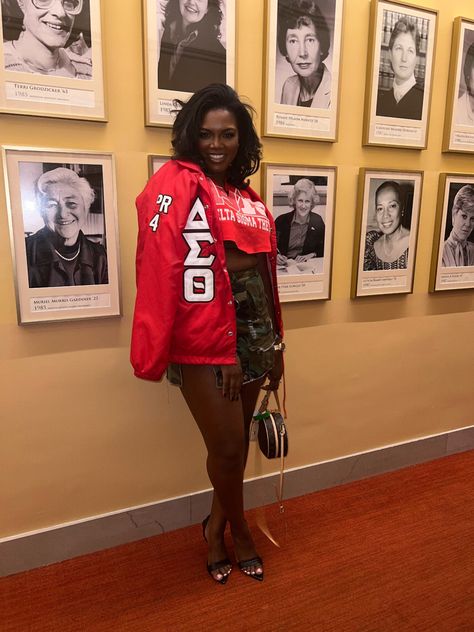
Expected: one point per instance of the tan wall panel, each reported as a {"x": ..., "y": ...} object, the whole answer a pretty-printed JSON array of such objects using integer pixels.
[{"x": 80, "y": 436}]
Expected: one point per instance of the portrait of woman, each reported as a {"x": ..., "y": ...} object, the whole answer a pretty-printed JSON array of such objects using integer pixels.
[
  {"x": 458, "y": 249},
  {"x": 465, "y": 103},
  {"x": 207, "y": 311},
  {"x": 386, "y": 248},
  {"x": 46, "y": 42},
  {"x": 191, "y": 53},
  {"x": 405, "y": 98},
  {"x": 303, "y": 40},
  {"x": 300, "y": 233},
  {"x": 59, "y": 254}
]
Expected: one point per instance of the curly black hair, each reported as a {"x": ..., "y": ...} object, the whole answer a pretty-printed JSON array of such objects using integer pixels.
[{"x": 187, "y": 126}]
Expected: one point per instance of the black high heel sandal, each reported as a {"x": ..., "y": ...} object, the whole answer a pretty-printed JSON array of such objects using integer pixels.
[
  {"x": 255, "y": 561},
  {"x": 215, "y": 566}
]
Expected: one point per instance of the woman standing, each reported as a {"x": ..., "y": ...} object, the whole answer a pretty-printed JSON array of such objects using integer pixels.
[
  {"x": 207, "y": 308},
  {"x": 387, "y": 248},
  {"x": 405, "y": 98},
  {"x": 303, "y": 39},
  {"x": 191, "y": 54}
]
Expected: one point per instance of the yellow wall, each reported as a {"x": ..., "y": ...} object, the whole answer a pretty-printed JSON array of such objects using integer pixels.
[{"x": 80, "y": 436}]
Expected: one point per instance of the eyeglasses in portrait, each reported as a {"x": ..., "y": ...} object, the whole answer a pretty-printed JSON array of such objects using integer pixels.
[{"x": 52, "y": 57}]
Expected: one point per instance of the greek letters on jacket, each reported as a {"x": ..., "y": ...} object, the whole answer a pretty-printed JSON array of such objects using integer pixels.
[{"x": 184, "y": 310}]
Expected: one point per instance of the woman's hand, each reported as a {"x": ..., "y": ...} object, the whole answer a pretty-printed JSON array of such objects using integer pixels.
[
  {"x": 302, "y": 258},
  {"x": 232, "y": 378},
  {"x": 275, "y": 374},
  {"x": 282, "y": 260}
]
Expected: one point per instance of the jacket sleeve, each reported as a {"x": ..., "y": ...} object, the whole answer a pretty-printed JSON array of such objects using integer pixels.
[{"x": 162, "y": 209}]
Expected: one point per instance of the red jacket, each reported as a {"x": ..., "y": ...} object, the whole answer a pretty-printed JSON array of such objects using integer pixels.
[{"x": 184, "y": 310}]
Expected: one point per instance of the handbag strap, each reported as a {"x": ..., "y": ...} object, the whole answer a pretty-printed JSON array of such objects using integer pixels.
[{"x": 261, "y": 519}]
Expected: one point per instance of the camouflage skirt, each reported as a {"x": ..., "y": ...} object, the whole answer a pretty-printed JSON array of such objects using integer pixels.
[{"x": 255, "y": 335}]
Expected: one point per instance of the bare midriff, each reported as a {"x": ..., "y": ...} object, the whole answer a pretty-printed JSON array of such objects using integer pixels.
[{"x": 237, "y": 260}]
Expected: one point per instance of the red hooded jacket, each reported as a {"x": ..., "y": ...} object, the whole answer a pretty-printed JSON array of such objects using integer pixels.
[{"x": 184, "y": 310}]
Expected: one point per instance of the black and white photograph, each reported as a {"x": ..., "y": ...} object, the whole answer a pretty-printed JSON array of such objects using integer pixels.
[
  {"x": 399, "y": 82},
  {"x": 47, "y": 37},
  {"x": 50, "y": 58},
  {"x": 63, "y": 218},
  {"x": 63, "y": 224},
  {"x": 459, "y": 122},
  {"x": 453, "y": 250},
  {"x": 188, "y": 44},
  {"x": 301, "y": 200},
  {"x": 387, "y": 232},
  {"x": 302, "y": 74}
]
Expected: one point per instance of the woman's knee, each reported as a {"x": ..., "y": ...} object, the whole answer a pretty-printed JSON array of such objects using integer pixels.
[{"x": 228, "y": 456}]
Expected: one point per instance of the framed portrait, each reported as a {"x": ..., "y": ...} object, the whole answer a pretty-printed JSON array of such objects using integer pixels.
[
  {"x": 187, "y": 45},
  {"x": 452, "y": 265},
  {"x": 64, "y": 234},
  {"x": 51, "y": 59},
  {"x": 155, "y": 162},
  {"x": 459, "y": 122},
  {"x": 302, "y": 202},
  {"x": 386, "y": 232},
  {"x": 400, "y": 74},
  {"x": 302, "y": 61}
]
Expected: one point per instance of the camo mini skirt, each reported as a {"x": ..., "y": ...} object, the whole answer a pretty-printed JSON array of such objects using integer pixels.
[{"x": 255, "y": 335}]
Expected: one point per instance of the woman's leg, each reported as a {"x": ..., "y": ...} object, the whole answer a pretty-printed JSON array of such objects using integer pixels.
[{"x": 222, "y": 426}]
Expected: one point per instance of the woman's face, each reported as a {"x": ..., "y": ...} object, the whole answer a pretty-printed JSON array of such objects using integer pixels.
[
  {"x": 193, "y": 11},
  {"x": 303, "y": 204},
  {"x": 403, "y": 56},
  {"x": 218, "y": 142},
  {"x": 303, "y": 50},
  {"x": 51, "y": 26},
  {"x": 463, "y": 223},
  {"x": 63, "y": 211},
  {"x": 388, "y": 211}
]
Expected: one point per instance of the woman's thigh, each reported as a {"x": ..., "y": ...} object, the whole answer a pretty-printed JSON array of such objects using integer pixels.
[{"x": 220, "y": 420}]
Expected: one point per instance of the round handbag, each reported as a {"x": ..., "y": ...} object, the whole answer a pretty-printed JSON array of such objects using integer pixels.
[{"x": 271, "y": 431}]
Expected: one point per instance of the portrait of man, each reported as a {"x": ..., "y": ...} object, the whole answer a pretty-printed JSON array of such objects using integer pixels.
[
  {"x": 47, "y": 37},
  {"x": 191, "y": 43},
  {"x": 458, "y": 248},
  {"x": 305, "y": 31},
  {"x": 402, "y": 66},
  {"x": 64, "y": 224},
  {"x": 465, "y": 103}
]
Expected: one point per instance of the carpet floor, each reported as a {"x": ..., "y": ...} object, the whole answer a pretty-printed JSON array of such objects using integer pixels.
[{"x": 391, "y": 553}]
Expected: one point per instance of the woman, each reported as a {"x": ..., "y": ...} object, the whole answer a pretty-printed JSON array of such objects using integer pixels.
[
  {"x": 191, "y": 55},
  {"x": 457, "y": 250},
  {"x": 40, "y": 48},
  {"x": 387, "y": 248},
  {"x": 303, "y": 39},
  {"x": 465, "y": 104},
  {"x": 405, "y": 99},
  {"x": 59, "y": 254},
  {"x": 300, "y": 233},
  {"x": 207, "y": 308}
]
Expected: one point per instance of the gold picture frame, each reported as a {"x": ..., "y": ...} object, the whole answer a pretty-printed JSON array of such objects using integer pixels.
[
  {"x": 458, "y": 133},
  {"x": 213, "y": 62},
  {"x": 452, "y": 261},
  {"x": 306, "y": 274},
  {"x": 402, "y": 43},
  {"x": 155, "y": 162},
  {"x": 284, "y": 114},
  {"x": 26, "y": 90},
  {"x": 52, "y": 282},
  {"x": 385, "y": 240}
]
